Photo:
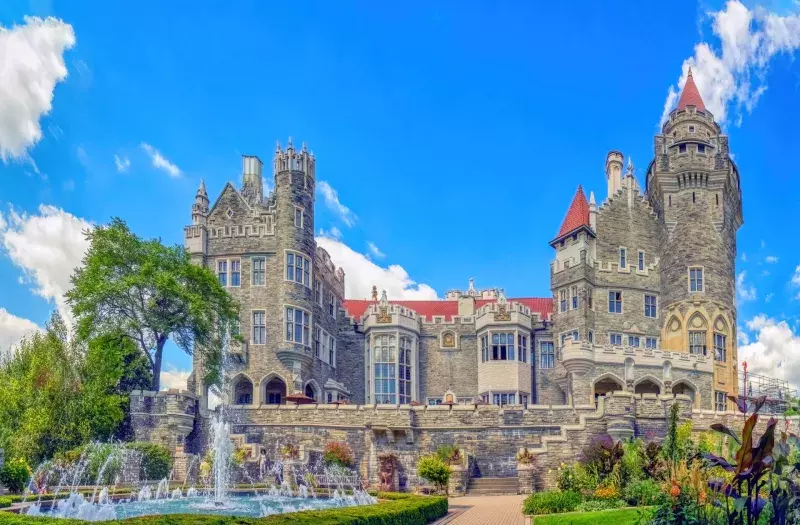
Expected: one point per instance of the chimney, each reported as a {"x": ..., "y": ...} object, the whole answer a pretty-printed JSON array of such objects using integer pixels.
[{"x": 252, "y": 181}]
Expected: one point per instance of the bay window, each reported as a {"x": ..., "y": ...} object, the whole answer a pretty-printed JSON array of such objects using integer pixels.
[
  {"x": 385, "y": 369},
  {"x": 298, "y": 268},
  {"x": 297, "y": 325}
]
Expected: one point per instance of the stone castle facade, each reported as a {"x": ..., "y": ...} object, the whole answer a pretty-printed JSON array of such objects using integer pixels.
[{"x": 642, "y": 313}]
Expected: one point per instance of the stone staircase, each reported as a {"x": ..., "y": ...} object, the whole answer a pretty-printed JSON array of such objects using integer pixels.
[{"x": 492, "y": 486}]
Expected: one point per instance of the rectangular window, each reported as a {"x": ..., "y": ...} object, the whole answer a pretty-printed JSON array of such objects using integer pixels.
[
  {"x": 331, "y": 302},
  {"x": 651, "y": 342},
  {"x": 504, "y": 399},
  {"x": 222, "y": 272},
  {"x": 721, "y": 401},
  {"x": 258, "y": 271},
  {"x": 318, "y": 291},
  {"x": 522, "y": 347},
  {"x": 682, "y": 148},
  {"x": 614, "y": 302},
  {"x": 589, "y": 295},
  {"x": 332, "y": 352},
  {"x": 404, "y": 367},
  {"x": 701, "y": 148},
  {"x": 697, "y": 343},
  {"x": 297, "y": 321},
  {"x": 298, "y": 268},
  {"x": 695, "y": 279},
  {"x": 298, "y": 217},
  {"x": 633, "y": 340},
  {"x": 547, "y": 354},
  {"x": 720, "y": 348},
  {"x": 563, "y": 294},
  {"x": 502, "y": 346},
  {"x": 623, "y": 258},
  {"x": 385, "y": 369},
  {"x": 434, "y": 401},
  {"x": 615, "y": 339},
  {"x": 641, "y": 261},
  {"x": 236, "y": 272},
  {"x": 317, "y": 341},
  {"x": 590, "y": 336},
  {"x": 259, "y": 328},
  {"x": 484, "y": 348},
  {"x": 523, "y": 400},
  {"x": 574, "y": 297},
  {"x": 650, "y": 306}
]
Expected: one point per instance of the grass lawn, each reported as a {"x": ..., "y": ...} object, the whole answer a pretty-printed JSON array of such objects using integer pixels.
[{"x": 600, "y": 517}]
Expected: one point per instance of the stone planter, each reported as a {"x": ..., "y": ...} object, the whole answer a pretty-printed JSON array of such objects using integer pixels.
[
  {"x": 459, "y": 478},
  {"x": 525, "y": 476}
]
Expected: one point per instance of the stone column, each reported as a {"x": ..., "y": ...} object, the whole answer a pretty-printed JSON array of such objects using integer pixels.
[
  {"x": 457, "y": 484},
  {"x": 526, "y": 478}
]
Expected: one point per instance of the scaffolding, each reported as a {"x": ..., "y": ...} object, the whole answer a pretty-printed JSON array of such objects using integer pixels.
[{"x": 779, "y": 394}]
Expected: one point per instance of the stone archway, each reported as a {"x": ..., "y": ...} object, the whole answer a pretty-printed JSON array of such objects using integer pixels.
[
  {"x": 606, "y": 384},
  {"x": 647, "y": 386},
  {"x": 685, "y": 387},
  {"x": 274, "y": 391},
  {"x": 242, "y": 391},
  {"x": 312, "y": 390}
]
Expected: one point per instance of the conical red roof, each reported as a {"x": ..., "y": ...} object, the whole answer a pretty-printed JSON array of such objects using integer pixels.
[
  {"x": 577, "y": 215},
  {"x": 690, "y": 95}
]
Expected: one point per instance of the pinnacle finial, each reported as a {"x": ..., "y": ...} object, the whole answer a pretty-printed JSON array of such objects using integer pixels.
[
  {"x": 305, "y": 147},
  {"x": 630, "y": 167},
  {"x": 374, "y": 293},
  {"x": 290, "y": 144},
  {"x": 690, "y": 70},
  {"x": 591, "y": 198},
  {"x": 278, "y": 145},
  {"x": 384, "y": 299},
  {"x": 202, "y": 189},
  {"x": 471, "y": 284}
]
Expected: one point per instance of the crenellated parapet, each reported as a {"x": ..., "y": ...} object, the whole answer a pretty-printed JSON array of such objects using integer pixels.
[{"x": 165, "y": 417}]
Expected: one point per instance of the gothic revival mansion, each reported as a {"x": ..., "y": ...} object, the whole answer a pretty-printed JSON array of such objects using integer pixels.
[{"x": 642, "y": 282}]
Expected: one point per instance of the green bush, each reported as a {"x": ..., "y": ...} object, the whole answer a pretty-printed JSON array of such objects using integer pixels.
[
  {"x": 551, "y": 502},
  {"x": 15, "y": 475},
  {"x": 600, "y": 504},
  {"x": 577, "y": 478},
  {"x": 643, "y": 492},
  {"x": 400, "y": 509},
  {"x": 5, "y": 502},
  {"x": 449, "y": 454},
  {"x": 156, "y": 460},
  {"x": 434, "y": 470}
]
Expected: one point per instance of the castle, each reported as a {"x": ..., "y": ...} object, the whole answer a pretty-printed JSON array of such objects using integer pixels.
[{"x": 642, "y": 313}]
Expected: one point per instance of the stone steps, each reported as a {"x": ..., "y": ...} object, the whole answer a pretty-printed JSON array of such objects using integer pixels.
[{"x": 492, "y": 486}]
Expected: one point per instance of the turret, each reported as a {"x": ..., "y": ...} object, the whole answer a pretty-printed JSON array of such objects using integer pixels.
[
  {"x": 196, "y": 236},
  {"x": 252, "y": 180},
  {"x": 614, "y": 172},
  {"x": 200, "y": 206}
]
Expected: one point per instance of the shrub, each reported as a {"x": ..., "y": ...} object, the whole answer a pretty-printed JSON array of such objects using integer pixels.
[
  {"x": 601, "y": 455},
  {"x": 434, "y": 470},
  {"x": 156, "y": 460},
  {"x": 600, "y": 504},
  {"x": 5, "y": 502},
  {"x": 449, "y": 454},
  {"x": 606, "y": 493},
  {"x": 643, "y": 492},
  {"x": 15, "y": 475},
  {"x": 338, "y": 453},
  {"x": 577, "y": 478},
  {"x": 551, "y": 502}
]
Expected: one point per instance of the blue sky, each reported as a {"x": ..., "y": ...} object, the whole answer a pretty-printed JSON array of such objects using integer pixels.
[{"x": 455, "y": 133}]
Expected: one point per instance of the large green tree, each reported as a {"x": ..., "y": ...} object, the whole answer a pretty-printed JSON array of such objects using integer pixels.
[
  {"x": 150, "y": 293},
  {"x": 56, "y": 394}
]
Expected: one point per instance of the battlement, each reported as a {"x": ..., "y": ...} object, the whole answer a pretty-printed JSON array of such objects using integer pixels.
[
  {"x": 292, "y": 160},
  {"x": 690, "y": 113}
]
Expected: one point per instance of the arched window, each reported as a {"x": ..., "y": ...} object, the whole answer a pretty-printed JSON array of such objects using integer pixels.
[
  {"x": 274, "y": 392},
  {"x": 243, "y": 391}
]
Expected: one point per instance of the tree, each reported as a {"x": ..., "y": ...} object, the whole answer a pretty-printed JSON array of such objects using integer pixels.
[{"x": 150, "y": 292}]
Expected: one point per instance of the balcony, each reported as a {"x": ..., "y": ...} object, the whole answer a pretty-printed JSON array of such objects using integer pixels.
[
  {"x": 238, "y": 351},
  {"x": 577, "y": 358}
]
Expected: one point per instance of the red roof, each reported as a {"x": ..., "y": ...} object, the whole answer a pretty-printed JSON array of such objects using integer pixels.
[
  {"x": 577, "y": 215},
  {"x": 690, "y": 95},
  {"x": 448, "y": 309}
]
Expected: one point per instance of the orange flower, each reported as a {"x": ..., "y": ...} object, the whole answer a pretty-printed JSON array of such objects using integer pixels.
[
  {"x": 702, "y": 497},
  {"x": 675, "y": 491}
]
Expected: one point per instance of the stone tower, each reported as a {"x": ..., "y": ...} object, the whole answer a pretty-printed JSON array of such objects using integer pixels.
[{"x": 693, "y": 185}]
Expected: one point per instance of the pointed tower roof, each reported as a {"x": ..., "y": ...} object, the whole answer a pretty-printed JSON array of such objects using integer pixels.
[
  {"x": 202, "y": 189},
  {"x": 690, "y": 95},
  {"x": 577, "y": 215}
]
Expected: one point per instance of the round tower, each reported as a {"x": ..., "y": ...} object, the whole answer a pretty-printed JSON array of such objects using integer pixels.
[
  {"x": 693, "y": 185},
  {"x": 294, "y": 230}
]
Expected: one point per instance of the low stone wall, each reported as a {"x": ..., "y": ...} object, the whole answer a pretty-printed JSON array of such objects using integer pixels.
[{"x": 488, "y": 435}]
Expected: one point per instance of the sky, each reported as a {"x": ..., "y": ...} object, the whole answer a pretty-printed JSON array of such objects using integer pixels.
[{"x": 450, "y": 137}]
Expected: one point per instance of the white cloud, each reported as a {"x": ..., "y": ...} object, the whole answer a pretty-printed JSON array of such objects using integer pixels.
[
  {"x": 741, "y": 336},
  {"x": 733, "y": 78},
  {"x": 744, "y": 257},
  {"x": 32, "y": 64},
  {"x": 173, "y": 377},
  {"x": 764, "y": 273},
  {"x": 373, "y": 249},
  {"x": 47, "y": 246},
  {"x": 160, "y": 161},
  {"x": 334, "y": 233},
  {"x": 769, "y": 297},
  {"x": 743, "y": 290},
  {"x": 770, "y": 259},
  {"x": 775, "y": 344},
  {"x": 122, "y": 163},
  {"x": 362, "y": 274},
  {"x": 13, "y": 329},
  {"x": 332, "y": 202},
  {"x": 796, "y": 276}
]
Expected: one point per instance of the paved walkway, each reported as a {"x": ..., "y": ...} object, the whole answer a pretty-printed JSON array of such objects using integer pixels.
[{"x": 485, "y": 510}]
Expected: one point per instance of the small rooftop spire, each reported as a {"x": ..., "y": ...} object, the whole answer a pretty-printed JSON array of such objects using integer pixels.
[
  {"x": 591, "y": 198},
  {"x": 278, "y": 145},
  {"x": 630, "y": 167},
  {"x": 202, "y": 189},
  {"x": 690, "y": 96}
]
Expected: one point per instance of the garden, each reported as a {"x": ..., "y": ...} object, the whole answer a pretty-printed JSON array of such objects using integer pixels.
[{"x": 720, "y": 476}]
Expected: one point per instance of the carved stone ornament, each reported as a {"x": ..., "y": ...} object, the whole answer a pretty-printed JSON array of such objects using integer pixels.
[
  {"x": 502, "y": 314},
  {"x": 449, "y": 340},
  {"x": 384, "y": 316}
]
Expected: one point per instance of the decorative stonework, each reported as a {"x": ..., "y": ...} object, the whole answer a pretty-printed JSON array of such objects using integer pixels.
[
  {"x": 502, "y": 314},
  {"x": 448, "y": 339}
]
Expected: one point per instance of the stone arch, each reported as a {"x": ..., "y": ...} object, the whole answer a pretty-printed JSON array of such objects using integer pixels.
[
  {"x": 684, "y": 386},
  {"x": 605, "y": 384},
  {"x": 312, "y": 390},
  {"x": 648, "y": 384},
  {"x": 272, "y": 388},
  {"x": 673, "y": 334},
  {"x": 697, "y": 322},
  {"x": 721, "y": 325},
  {"x": 242, "y": 390}
]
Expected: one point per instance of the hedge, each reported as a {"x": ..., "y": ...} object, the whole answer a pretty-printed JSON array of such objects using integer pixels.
[{"x": 400, "y": 509}]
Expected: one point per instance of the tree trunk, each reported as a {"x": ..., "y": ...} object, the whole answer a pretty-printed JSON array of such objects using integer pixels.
[{"x": 157, "y": 365}]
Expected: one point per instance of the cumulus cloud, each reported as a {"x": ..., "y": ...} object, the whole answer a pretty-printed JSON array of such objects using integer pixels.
[
  {"x": 744, "y": 257},
  {"x": 771, "y": 259},
  {"x": 331, "y": 198},
  {"x": 362, "y": 274},
  {"x": 732, "y": 77},
  {"x": 374, "y": 251},
  {"x": 47, "y": 247},
  {"x": 160, "y": 161},
  {"x": 173, "y": 377},
  {"x": 774, "y": 350},
  {"x": 32, "y": 64},
  {"x": 122, "y": 163},
  {"x": 334, "y": 232},
  {"x": 13, "y": 329},
  {"x": 769, "y": 297},
  {"x": 744, "y": 291}
]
